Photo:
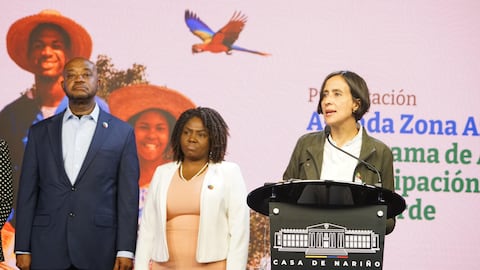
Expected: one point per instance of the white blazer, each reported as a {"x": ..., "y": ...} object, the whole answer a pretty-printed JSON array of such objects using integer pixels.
[{"x": 224, "y": 220}]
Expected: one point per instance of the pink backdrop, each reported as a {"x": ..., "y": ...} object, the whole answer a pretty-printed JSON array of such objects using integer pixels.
[{"x": 424, "y": 50}]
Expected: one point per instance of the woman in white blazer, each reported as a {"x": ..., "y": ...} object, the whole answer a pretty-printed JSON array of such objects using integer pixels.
[{"x": 195, "y": 214}]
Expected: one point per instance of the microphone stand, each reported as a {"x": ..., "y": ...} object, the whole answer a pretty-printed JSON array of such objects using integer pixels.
[{"x": 369, "y": 166}]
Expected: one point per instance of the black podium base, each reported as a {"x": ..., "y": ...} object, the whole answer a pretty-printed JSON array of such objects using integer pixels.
[{"x": 347, "y": 237}]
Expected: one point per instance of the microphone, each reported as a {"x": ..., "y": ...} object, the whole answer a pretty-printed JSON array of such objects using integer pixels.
[{"x": 327, "y": 131}]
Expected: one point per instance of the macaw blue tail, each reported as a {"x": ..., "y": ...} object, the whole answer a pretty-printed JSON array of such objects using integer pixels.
[{"x": 236, "y": 48}]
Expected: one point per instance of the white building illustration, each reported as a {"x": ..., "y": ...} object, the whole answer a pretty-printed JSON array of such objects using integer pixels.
[{"x": 326, "y": 240}]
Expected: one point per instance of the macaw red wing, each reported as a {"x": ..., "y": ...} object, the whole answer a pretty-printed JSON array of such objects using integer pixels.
[
  {"x": 197, "y": 27},
  {"x": 230, "y": 32}
]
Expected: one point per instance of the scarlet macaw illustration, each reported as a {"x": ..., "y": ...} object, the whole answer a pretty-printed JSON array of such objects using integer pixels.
[{"x": 223, "y": 39}]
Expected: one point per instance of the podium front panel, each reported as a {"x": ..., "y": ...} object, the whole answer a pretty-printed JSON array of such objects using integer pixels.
[{"x": 326, "y": 238}]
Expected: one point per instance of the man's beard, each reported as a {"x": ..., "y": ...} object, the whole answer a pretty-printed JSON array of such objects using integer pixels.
[{"x": 82, "y": 99}]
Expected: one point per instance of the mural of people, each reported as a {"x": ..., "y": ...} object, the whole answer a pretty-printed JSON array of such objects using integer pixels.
[
  {"x": 40, "y": 44},
  {"x": 152, "y": 111}
]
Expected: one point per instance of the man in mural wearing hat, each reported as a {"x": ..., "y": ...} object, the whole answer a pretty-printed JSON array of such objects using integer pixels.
[{"x": 40, "y": 44}]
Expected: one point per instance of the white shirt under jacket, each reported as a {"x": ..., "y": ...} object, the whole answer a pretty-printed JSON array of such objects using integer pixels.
[{"x": 224, "y": 219}]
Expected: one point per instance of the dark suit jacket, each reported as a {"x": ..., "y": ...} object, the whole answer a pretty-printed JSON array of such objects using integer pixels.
[{"x": 87, "y": 223}]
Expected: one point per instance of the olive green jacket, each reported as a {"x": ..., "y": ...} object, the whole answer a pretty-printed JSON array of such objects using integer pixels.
[{"x": 307, "y": 158}]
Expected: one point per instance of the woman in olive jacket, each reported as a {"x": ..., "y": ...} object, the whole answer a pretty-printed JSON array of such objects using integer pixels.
[{"x": 343, "y": 101}]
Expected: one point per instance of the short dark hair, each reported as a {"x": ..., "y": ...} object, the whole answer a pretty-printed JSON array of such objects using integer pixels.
[
  {"x": 216, "y": 127},
  {"x": 55, "y": 27},
  {"x": 170, "y": 121},
  {"x": 358, "y": 88}
]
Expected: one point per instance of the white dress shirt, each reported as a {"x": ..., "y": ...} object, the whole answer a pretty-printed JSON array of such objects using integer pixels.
[
  {"x": 77, "y": 134},
  {"x": 337, "y": 165}
]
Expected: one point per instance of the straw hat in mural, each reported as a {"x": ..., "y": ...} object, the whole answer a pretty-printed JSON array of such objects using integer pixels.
[
  {"x": 19, "y": 34},
  {"x": 130, "y": 100}
]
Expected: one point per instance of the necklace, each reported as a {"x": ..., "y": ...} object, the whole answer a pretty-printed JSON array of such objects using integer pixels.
[{"x": 197, "y": 174}]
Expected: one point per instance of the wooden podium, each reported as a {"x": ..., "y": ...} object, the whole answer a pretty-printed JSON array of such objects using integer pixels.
[{"x": 317, "y": 224}]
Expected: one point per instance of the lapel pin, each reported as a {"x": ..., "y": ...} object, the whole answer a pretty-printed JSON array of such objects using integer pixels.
[
  {"x": 105, "y": 124},
  {"x": 210, "y": 186}
]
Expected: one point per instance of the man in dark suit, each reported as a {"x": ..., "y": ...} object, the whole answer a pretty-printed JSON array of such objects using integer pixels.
[{"x": 78, "y": 194}]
